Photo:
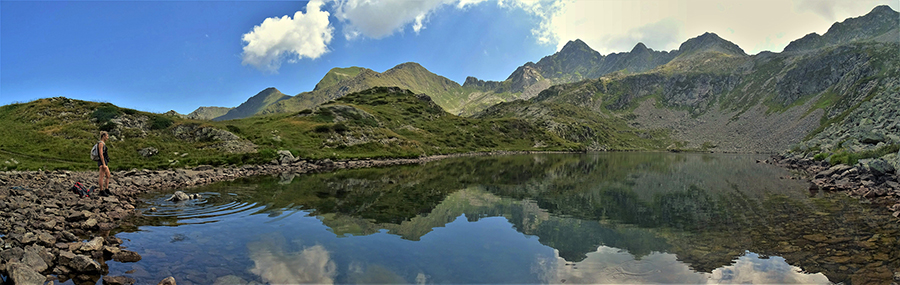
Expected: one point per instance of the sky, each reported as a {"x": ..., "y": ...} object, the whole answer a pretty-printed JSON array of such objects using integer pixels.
[{"x": 158, "y": 56}]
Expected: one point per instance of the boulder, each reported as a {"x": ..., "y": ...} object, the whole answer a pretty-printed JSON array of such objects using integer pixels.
[
  {"x": 84, "y": 264},
  {"x": 285, "y": 157},
  {"x": 126, "y": 256},
  {"x": 168, "y": 281},
  {"x": 179, "y": 196},
  {"x": 878, "y": 166},
  {"x": 14, "y": 254},
  {"x": 203, "y": 167},
  {"x": 148, "y": 151},
  {"x": 93, "y": 245},
  {"x": 34, "y": 260},
  {"x": 118, "y": 280},
  {"x": 23, "y": 274}
]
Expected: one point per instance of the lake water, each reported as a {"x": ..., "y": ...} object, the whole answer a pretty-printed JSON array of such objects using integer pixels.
[{"x": 546, "y": 218}]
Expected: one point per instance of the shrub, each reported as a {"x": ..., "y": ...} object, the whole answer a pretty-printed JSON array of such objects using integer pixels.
[
  {"x": 129, "y": 111},
  {"x": 340, "y": 128},
  {"x": 108, "y": 126},
  {"x": 160, "y": 122},
  {"x": 322, "y": 129},
  {"x": 820, "y": 156},
  {"x": 233, "y": 129},
  {"x": 105, "y": 113}
]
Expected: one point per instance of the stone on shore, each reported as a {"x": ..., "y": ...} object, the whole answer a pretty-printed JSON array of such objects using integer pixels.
[
  {"x": 23, "y": 274},
  {"x": 126, "y": 256}
]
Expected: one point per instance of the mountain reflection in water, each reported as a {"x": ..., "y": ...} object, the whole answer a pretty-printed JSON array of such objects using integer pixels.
[{"x": 548, "y": 218}]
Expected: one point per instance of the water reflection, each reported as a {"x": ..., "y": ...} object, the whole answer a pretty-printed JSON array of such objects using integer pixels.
[
  {"x": 276, "y": 264},
  {"x": 593, "y": 218},
  {"x": 611, "y": 265}
]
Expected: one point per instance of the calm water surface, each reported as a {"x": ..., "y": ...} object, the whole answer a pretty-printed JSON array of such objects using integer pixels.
[{"x": 550, "y": 218}]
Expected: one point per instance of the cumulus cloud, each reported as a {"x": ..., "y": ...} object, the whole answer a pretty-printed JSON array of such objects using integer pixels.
[
  {"x": 378, "y": 19},
  {"x": 277, "y": 39}
]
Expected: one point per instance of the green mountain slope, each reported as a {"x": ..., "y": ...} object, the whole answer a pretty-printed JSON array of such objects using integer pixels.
[
  {"x": 409, "y": 75},
  {"x": 338, "y": 74},
  {"x": 255, "y": 104}
]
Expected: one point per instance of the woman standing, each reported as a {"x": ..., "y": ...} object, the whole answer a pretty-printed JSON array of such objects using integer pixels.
[{"x": 103, "y": 163}]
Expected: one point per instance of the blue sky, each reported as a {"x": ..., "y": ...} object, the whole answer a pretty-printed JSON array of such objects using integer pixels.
[{"x": 158, "y": 56}]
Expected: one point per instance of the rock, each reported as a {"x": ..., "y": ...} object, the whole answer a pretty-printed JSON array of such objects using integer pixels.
[
  {"x": 203, "y": 168},
  {"x": 229, "y": 279},
  {"x": 879, "y": 167},
  {"x": 28, "y": 238},
  {"x": 84, "y": 264},
  {"x": 23, "y": 274},
  {"x": 14, "y": 254},
  {"x": 871, "y": 138},
  {"x": 90, "y": 223},
  {"x": 34, "y": 260},
  {"x": 126, "y": 256},
  {"x": 285, "y": 157},
  {"x": 179, "y": 196},
  {"x": 118, "y": 280},
  {"x": 46, "y": 239},
  {"x": 168, "y": 281},
  {"x": 93, "y": 245},
  {"x": 816, "y": 237},
  {"x": 148, "y": 151}
]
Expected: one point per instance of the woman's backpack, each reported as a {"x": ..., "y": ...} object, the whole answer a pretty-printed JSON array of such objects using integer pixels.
[{"x": 95, "y": 152}]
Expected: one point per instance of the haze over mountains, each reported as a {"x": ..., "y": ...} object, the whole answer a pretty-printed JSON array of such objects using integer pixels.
[{"x": 708, "y": 92}]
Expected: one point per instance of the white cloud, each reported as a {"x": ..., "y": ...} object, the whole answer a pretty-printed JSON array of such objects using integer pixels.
[
  {"x": 378, "y": 19},
  {"x": 277, "y": 39},
  {"x": 617, "y": 25}
]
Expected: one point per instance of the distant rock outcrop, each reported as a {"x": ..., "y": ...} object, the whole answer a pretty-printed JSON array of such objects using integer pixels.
[{"x": 208, "y": 113}]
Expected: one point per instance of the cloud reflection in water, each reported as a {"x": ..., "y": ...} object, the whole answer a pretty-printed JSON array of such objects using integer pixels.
[
  {"x": 611, "y": 265},
  {"x": 275, "y": 265}
]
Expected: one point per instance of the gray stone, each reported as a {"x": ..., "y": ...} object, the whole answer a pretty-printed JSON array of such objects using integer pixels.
[
  {"x": 148, "y": 151},
  {"x": 34, "y": 260},
  {"x": 203, "y": 167},
  {"x": 179, "y": 196},
  {"x": 93, "y": 245},
  {"x": 285, "y": 157},
  {"x": 84, "y": 264},
  {"x": 23, "y": 274},
  {"x": 14, "y": 254},
  {"x": 879, "y": 167}
]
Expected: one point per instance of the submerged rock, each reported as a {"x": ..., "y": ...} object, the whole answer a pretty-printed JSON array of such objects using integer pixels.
[{"x": 118, "y": 280}]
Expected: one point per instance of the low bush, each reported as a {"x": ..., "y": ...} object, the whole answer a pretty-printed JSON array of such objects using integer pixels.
[{"x": 160, "y": 122}]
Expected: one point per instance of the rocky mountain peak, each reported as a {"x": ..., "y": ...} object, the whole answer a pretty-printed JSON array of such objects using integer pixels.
[
  {"x": 639, "y": 48},
  {"x": 709, "y": 42},
  {"x": 574, "y": 48},
  {"x": 881, "y": 24}
]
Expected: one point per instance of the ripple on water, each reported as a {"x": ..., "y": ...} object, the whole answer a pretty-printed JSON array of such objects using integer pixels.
[{"x": 211, "y": 208}]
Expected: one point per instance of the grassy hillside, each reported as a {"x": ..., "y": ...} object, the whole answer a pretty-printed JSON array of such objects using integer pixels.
[
  {"x": 336, "y": 75},
  {"x": 57, "y": 133}
]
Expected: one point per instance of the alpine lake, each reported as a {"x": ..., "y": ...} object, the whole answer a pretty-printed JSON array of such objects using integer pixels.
[{"x": 536, "y": 218}]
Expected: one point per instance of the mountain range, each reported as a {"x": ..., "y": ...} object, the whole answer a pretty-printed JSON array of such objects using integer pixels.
[{"x": 707, "y": 93}]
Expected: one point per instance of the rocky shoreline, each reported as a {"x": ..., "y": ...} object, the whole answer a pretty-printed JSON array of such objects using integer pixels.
[
  {"x": 50, "y": 234},
  {"x": 871, "y": 180}
]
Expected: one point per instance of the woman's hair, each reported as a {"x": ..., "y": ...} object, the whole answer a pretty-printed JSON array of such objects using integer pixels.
[{"x": 103, "y": 133}]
